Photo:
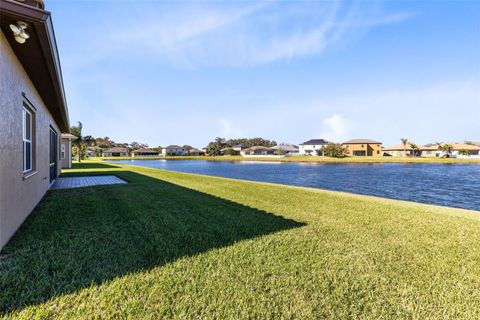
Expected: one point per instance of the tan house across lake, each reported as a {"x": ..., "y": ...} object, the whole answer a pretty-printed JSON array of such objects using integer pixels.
[
  {"x": 33, "y": 111},
  {"x": 363, "y": 148},
  {"x": 145, "y": 152},
  {"x": 400, "y": 150},
  {"x": 115, "y": 152}
]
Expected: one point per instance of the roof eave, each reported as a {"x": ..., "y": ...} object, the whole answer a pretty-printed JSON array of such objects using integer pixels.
[{"x": 41, "y": 22}]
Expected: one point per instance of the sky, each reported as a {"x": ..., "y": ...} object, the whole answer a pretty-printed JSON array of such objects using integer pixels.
[{"x": 178, "y": 72}]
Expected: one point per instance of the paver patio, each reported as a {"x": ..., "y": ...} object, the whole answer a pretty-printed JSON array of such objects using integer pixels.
[{"x": 79, "y": 182}]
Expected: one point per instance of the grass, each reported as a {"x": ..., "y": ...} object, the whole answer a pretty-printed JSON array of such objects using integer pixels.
[
  {"x": 313, "y": 159},
  {"x": 176, "y": 245}
]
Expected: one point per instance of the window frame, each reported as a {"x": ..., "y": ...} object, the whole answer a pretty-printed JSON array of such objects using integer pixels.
[
  {"x": 27, "y": 167},
  {"x": 63, "y": 150}
]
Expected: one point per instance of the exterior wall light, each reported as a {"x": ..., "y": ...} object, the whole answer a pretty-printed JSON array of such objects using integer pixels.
[{"x": 19, "y": 31}]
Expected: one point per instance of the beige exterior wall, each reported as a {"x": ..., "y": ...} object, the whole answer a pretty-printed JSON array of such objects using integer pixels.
[
  {"x": 19, "y": 194},
  {"x": 67, "y": 158},
  {"x": 370, "y": 149},
  {"x": 398, "y": 153}
]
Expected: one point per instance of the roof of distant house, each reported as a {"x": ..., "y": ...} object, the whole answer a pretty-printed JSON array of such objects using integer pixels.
[
  {"x": 312, "y": 142},
  {"x": 286, "y": 147},
  {"x": 259, "y": 148},
  {"x": 196, "y": 150},
  {"x": 116, "y": 150},
  {"x": 68, "y": 136},
  {"x": 462, "y": 146},
  {"x": 358, "y": 141},
  {"x": 242, "y": 145},
  {"x": 144, "y": 150},
  {"x": 173, "y": 146},
  {"x": 408, "y": 147},
  {"x": 39, "y": 55}
]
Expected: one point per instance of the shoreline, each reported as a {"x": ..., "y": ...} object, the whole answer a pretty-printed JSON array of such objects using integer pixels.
[{"x": 306, "y": 159}]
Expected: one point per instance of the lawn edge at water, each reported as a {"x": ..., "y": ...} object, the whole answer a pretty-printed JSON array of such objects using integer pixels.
[
  {"x": 308, "y": 159},
  {"x": 453, "y": 211}
]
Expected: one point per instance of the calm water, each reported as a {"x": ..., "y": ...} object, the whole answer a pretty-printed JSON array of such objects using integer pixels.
[{"x": 441, "y": 184}]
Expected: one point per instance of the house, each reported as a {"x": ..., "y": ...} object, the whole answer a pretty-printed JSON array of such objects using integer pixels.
[
  {"x": 428, "y": 151},
  {"x": 92, "y": 151},
  {"x": 238, "y": 149},
  {"x": 234, "y": 150},
  {"x": 34, "y": 111},
  {"x": 259, "y": 151},
  {"x": 174, "y": 150},
  {"x": 400, "y": 150},
  {"x": 224, "y": 151},
  {"x": 66, "y": 149},
  {"x": 310, "y": 147},
  {"x": 458, "y": 149},
  {"x": 144, "y": 152},
  {"x": 115, "y": 152},
  {"x": 196, "y": 152},
  {"x": 286, "y": 148},
  {"x": 363, "y": 148}
]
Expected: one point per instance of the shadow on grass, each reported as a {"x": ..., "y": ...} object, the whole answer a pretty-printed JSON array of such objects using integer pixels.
[
  {"x": 77, "y": 237},
  {"x": 95, "y": 165}
]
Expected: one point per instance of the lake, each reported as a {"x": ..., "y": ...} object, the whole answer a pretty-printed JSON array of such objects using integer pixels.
[{"x": 453, "y": 185}]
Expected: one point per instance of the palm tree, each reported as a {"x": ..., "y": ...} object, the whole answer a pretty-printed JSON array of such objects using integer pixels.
[
  {"x": 447, "y": 149},
  {"x": 414, "y": 148},
  {"x": 80, "y": 141},
  {"x": 404, "y": 142}
]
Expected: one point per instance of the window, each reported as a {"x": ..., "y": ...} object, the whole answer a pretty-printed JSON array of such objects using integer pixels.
[
  {"x": 27, "y": 140},
  {"x": 62, "y": 151}
]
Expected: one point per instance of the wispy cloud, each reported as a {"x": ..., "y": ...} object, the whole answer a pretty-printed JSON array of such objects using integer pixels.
[
  {"x": 337, "y": 128},
  {"x": 227, "y": 34},
  {"x": 228, "y": 129}
]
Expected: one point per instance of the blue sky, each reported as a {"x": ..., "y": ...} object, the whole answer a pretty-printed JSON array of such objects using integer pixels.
[{"x": 185, "y": 72}]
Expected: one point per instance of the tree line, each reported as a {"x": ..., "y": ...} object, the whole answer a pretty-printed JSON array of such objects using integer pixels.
[{"x": 214, "y": 147}]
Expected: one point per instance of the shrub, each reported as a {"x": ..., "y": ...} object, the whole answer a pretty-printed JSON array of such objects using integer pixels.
[{"x": 334, "y": 150}]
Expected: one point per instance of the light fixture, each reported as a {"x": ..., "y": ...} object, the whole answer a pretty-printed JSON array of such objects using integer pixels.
[{"x": 19, "y": 31}]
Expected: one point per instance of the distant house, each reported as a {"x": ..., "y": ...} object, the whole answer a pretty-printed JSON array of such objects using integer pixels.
[
  {"x": 239, "y": 148},
  {"x": 310, "y": 147},
  {"x": 115, "y": 152},
  {"x": 224, "y": 151},
  {"x": 363, "y": 148},
  {"x": 259, "y": 151},
  {"x": 457, "y": 148},
  {"x": 196, "y": 152},
  {"x": 91, "y": 151},
  {"x": 429, "y": 151},
  {"x": 144, "y": 152},
  {"x": 400, "y": 150},
  {"x": 235, "y": 150},
  {"x": 286, "y": 148},
  {"x": 66, "y": 149},
  {"x": 174, "y": 150}
]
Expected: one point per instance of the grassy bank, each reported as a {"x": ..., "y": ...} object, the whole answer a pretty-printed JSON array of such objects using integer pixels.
[
  {"x": 176, "y": 245},
  {"x": 311, "y": 159}
]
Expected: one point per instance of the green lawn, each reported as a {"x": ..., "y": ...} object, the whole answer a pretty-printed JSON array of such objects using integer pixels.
[
  {"x": 176, "y": 245},
  {"x": 314, "y": 159}
]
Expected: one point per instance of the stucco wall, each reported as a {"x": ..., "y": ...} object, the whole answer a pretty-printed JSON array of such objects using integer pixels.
[
  {"x": 19, "y": 195},
  {"x": 67, "y": 161},
  {"x": 371, "y": 149}
]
